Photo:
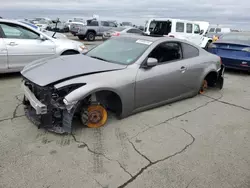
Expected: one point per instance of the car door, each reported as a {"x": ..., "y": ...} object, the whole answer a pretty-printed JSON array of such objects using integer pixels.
[
  {"x": 189, "y": 32},
  {"x": 24, "y": 45},
  {"x": 165, "y": 81},
  {"x": 3, "y": 53},
  {"x": 104, "y": 26},
  {"x": 197, "y": 37},
  {"x": 111, "y": 25},
  {"x": 180, "y": 30}
]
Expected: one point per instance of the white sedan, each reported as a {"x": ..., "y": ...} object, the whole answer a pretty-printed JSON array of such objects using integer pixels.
[{"x": 21, "y": 44}]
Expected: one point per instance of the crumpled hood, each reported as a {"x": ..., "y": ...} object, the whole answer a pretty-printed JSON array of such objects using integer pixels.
[{"x": 49, "y": 70}]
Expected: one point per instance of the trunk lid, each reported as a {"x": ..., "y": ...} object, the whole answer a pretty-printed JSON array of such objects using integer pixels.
[{"x": 232, "y": 49}]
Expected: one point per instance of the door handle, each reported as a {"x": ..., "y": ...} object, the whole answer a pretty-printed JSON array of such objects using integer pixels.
[
  {"x": 183, "y": 69},
  {"x": 13, "y": 44}
]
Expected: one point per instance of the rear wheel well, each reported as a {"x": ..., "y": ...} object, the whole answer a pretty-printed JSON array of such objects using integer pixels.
[
  {"x": 211, "y": 78},
  {"x": 70, "y": 52}
]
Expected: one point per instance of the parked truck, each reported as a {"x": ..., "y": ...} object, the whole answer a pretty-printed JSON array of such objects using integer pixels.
[{"x": 94, "y": 28}]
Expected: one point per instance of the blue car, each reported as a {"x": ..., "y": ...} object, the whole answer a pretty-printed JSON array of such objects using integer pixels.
[{"x": 234, "y": 50}]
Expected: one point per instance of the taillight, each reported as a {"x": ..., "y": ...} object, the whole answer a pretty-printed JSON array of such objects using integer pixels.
[{"x": 116, "y": 34}]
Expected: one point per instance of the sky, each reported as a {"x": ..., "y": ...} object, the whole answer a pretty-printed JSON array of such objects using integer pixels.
[{"x": 227, "y": 13}]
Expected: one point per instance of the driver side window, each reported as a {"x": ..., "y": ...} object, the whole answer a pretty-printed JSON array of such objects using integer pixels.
[
  {"x": 166, "y": 52},
  {"x": 13, "y": 31},
  {"x": 196, "y": 29}
]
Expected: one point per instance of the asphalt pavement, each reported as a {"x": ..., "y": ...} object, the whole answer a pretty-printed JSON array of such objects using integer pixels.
[{"x": 198, "y": 142}]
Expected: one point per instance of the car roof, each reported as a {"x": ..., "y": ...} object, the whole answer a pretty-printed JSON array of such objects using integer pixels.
[{"x": 158, "y": 39}]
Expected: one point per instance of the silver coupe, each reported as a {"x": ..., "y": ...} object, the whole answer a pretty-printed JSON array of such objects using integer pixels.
[{"x": 123, "y": 75}]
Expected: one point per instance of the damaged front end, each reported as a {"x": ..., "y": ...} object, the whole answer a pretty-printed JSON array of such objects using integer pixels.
[{"x": 47, "y": 108}]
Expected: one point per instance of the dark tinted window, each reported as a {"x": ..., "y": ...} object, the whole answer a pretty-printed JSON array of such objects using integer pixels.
[
  {"x": 106, "y": 24},
  {"x": 167, "y": 51},
  {"x": 134, "y": 31},
  {"x": 179, "y": 27},
  {"x": 189, "y": 28},
  {"x": 93, "y": 23},
  {"x": 189, "y": 51},
  {"x": 212, "y": 30},
  {"x": 218, "y": 30},
  {"x": 14, "y": 31},
  {"x": 196, "y": 29},
  {"x": 111, "y": 24}
]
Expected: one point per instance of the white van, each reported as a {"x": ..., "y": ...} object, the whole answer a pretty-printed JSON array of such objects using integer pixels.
[{"x": 182, "y": 29}]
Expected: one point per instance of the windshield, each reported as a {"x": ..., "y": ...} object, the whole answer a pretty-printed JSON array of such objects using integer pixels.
[
  {"x": 236, "y": 37},
  {"x": 120, "y": 50},
  {"x": 118, "y": 29},
  {"x": 127, "y": 23}
]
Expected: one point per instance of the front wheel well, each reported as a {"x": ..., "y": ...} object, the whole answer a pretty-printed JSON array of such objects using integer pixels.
[
  {"x": 69, "y": 52},
  {"x": 109, "y": 99},
  {"x": 211, "y": 78}
]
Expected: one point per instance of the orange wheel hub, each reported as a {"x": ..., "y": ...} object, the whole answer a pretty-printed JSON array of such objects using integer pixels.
[
  {"x": 97, "y": 116},
  {"x": 203, "y": 87}
]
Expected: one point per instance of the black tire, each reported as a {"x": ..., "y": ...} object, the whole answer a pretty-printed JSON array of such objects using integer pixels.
[
  {"x": 81, "y": 37},
  {"x": 208, "y": 43},
  {"x": 70, "y": 52},
  {"x": 91, "y": 36}
]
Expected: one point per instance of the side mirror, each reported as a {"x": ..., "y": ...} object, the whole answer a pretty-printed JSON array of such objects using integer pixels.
[
  {"x": 42, "y": 38},
  {"x": 151, "y": 62},
  {"x": 201, "y": 32}
]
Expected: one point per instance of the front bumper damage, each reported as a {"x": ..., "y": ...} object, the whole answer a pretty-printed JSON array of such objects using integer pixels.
[
  {"x": 220, "y": 78},
  {"x": 43, "y": 111}
]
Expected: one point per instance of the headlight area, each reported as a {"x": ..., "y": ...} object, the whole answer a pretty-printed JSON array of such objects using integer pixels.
[
  {"x": 83, "y": 48},
  {"x": 58, "y": 95},
  {"x": 58, "y": 116}
]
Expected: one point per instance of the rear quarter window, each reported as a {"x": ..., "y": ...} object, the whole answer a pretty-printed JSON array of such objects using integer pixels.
[
  {"x": 218, "y": 30},
  {"x": 189, "y": 51},
  {"x": 179, "y": 27},
  {"x": 189, "y": 28}
]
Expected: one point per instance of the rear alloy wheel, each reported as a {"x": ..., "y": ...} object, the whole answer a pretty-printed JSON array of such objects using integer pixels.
[
  {"x": 204, "y": 87},
  {"x": 94, "y": 116},
  {"x": 91, "y": 36}
]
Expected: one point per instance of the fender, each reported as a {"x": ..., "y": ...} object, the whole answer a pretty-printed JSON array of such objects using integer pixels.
[
  {"x": 205, "y": 41},
  {"x": 88, "y": 89},
  {"x": 207, "y": 70}
]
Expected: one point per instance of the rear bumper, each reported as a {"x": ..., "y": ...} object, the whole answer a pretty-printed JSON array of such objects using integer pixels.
[
  {"x": 236, "y": 63},
  {"x": 233, "y": 62}
]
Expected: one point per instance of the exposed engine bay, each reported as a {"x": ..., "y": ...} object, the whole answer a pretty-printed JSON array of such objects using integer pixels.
[{"x": 57, "y": 117}]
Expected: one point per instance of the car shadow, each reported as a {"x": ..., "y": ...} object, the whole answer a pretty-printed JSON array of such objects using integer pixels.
[{"x": 10, "y": 75}]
